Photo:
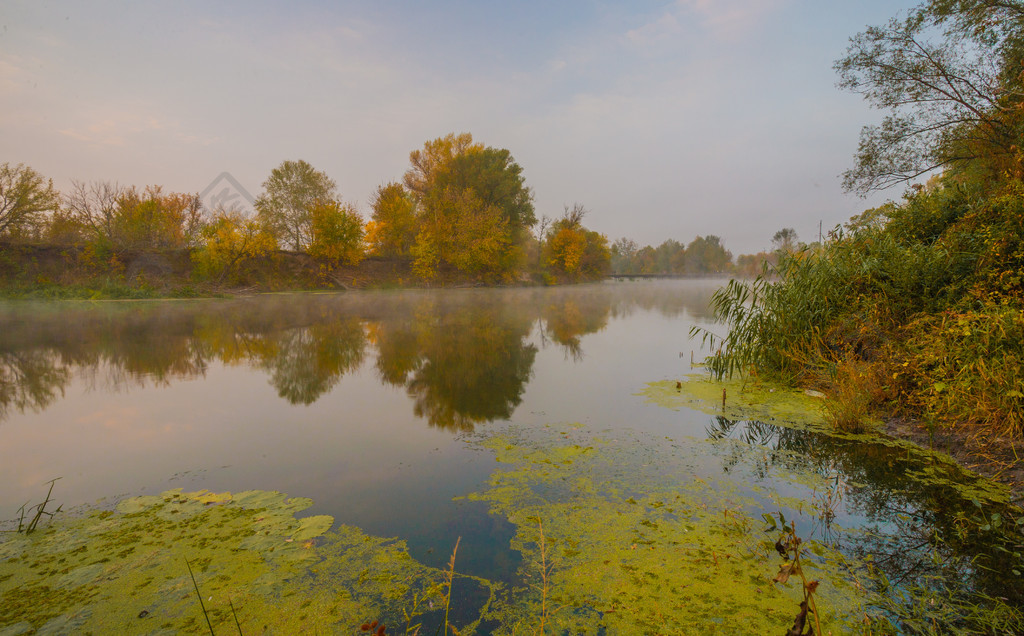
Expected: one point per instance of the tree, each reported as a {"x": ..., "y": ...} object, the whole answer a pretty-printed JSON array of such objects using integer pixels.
[
  {"x": 496, "y": 179},
  {"x": 785, "y": 240},
  {"x": 623, "y": 256},
  {"x": 462, "y": 231},
  {"x": 152, "y": 219},
  {"x": 337, "y": 231},
  {"x": 289, "y": 193},
  {"x": 950, "y": 75},
  {"x": 95, "y": 207},
  {"x": 707, "y": 255},
  {"x": 434, "y": 159},
  {"x": 116, "y": 216},
  {"x": 392, "y": 230},
  {"x": 24, "y": 197},
  {"x": 228, "y": 240},
  {"x": 473, "y": 208},
  {"x": 573, "y": 250}
]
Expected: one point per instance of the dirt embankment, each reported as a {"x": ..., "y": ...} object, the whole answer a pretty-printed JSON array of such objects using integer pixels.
[
  {"x": 998, "y": 458},
  {"x": 36, "y": 266}
]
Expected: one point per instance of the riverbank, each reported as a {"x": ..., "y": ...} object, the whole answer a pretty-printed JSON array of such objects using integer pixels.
[
  {"x": 1000, "y": 459},
  {"x": 47, "y": 272}
]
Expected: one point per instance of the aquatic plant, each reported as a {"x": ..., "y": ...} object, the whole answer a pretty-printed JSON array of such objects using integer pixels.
[
  {"x": 40, "y": 510},
  {"x": 790, "y": 543}
]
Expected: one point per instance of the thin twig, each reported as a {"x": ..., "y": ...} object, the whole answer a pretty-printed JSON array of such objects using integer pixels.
[{"x": 200, "y": 596}]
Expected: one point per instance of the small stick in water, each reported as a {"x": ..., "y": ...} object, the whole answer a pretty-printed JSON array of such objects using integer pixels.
[{"x": 723, "y": 398}]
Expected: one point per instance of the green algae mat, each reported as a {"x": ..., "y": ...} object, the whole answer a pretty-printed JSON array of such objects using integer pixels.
[{"x": 124, "y": 571}]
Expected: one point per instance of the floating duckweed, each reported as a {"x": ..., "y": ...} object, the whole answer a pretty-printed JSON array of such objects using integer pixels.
[
  {"x": 125, "y": 572},
  {"x": 636, "y": 565}
]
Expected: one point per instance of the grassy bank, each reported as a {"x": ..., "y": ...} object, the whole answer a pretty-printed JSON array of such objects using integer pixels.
[{"x": 914, "y": 311}]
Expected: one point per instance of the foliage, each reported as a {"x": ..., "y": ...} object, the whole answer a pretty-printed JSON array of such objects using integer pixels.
[
  {"x": 704, "y": 255},
  {"x": 573, "y": 251},
  {"x": 392, "y": 230},
  {"x": 926, "y": 296},
  {"x": 111, "y": 216},
  {"x": 707, "y": 255},
  {"x": 95, "y": 206},
  {"x": 24, "y": 198},
  {"x": 337, "y": 233},
  {"x": 966, "y": 367},
  {"x": 913, "y": 307},
  {"x": 289, "y": 194},
  {"x": 467, "y": 233},
  {"x": 152, "y": 219},
  {"x": 473, "y": 209},
  {"x": 949, "y": 73},
  {"x": 228, "y": 240}
]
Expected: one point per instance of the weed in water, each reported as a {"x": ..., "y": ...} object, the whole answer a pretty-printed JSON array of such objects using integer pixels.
[
  {"x": 788, "y": 544},
  {"x": 40, "y": 510}
]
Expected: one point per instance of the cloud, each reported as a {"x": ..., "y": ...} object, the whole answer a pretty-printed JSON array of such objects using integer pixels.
[
  {"x": 13, "y": 76},
  {"x": 722, "y": 19},
  {"x": 122, "y": 128}
]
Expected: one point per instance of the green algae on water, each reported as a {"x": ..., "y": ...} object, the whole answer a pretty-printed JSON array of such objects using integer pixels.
[
  {"x": 635, "y": 541},
  {"x": 744, "y": 400},
  {"x": 123, "y": 571}
]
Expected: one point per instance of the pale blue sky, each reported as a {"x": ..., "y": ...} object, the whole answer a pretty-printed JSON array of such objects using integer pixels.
[{"x": 665, "y": 119}]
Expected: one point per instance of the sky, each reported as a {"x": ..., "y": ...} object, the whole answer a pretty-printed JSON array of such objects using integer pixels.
[{"x": 664, "y": 119}]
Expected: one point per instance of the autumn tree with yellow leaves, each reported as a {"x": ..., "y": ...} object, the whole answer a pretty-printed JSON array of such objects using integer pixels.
[
  {"x": 574, "y": 252},
  {"x": 473, "y": 209}
]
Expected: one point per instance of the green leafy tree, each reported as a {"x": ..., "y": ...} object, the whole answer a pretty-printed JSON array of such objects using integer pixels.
[
  {"x": 25, "y": 197},
  {"x": 949, "y": 74},
  {"x": 707, "y": 255},
  {"x": 289, "y": 193},
  {"x": 623, "y": 256},
  {"x": 785, "y": 240}
]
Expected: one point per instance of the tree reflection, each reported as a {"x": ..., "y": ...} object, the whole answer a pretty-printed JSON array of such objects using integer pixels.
[
  {"x": 568, "y": 319},
  {"x": 309, "y": 362},
  {"x": 462, "y": 357},
  {"x": 30, "y": 380},
  {"x": 461, "y": 365}
]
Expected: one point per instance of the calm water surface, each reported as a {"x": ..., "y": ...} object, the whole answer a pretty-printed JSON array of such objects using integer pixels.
[{"x": 367, "y": 404}]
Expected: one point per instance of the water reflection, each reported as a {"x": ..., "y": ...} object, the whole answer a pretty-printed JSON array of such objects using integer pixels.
[
  {"x": 909, "y": 505},
  {"x": 462, "y": 357}
]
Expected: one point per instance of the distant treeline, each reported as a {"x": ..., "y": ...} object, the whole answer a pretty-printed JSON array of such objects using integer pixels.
[
  {"x": 703, "y": 256},
  {"x": 462, "y": 211}
]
